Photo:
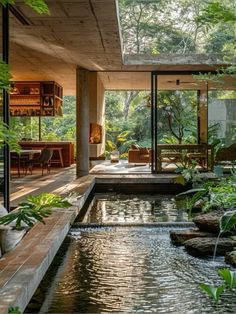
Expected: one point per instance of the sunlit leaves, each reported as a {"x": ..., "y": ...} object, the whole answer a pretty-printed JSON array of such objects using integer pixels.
[
  {"x": 5, "y": 75},
  {"x": 228, "y": 221},
  {"x": 8, "y": 137},
  {"x": 213, "y": 292},
  {"x": 229, "y": 277},
  {"x": 38, "y": 6},
  {"x": 35, "y": 208},
  {"x": 216, "y": 12}
]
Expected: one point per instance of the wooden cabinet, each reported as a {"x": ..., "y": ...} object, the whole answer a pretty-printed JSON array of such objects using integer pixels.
[{"x": 36, "y": 99}]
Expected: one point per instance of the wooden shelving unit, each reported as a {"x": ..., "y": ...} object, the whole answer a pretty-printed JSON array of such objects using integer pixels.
[{"x": 29, "y": 98}]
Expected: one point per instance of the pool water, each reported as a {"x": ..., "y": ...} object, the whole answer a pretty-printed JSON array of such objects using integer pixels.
[
  {"x": 127, "y": 270},
  {"x": 121, "y": 208}
]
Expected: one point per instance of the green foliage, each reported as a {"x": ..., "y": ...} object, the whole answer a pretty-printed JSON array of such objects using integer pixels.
[
  {"x": 14, "y": 310},
  {"x": 120, "y": 142},
  {"x": 9, "y": 137},
  {"x": 177, "y": 117},
  {"x": 213, "y": 292},
  {"x": 188, "y": 172},
  {"x": 216, "y": 12},
  {"x": 36, "y": 208},
  {"x": 228, "y": 221},
  {"x": 38, "y": 6},
  {"x": 5, "y": 76},
  {"x": 229, "y": 277},
  {"x": 53, "y": 128}
]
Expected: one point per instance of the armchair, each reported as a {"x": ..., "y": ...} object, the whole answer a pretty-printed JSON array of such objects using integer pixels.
[{"x": 139, "y": 154}]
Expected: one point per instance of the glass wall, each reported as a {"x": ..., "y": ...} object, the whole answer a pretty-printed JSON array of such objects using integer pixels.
[
  {"x": 177, "y": 117},
  {"x": 222, "y": 117}
]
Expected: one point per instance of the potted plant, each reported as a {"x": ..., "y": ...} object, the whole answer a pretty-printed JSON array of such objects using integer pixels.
[{"x": 34, "y": 209}]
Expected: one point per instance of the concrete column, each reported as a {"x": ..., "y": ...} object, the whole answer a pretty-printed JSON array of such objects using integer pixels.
[{"x": 82, "y": 122}]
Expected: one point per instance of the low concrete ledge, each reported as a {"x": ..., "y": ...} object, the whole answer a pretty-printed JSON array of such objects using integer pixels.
[{"x": 22, "y": 269}]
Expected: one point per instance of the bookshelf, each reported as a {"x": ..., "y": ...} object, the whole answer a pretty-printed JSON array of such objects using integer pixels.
[{"x": 38, "y": 98}]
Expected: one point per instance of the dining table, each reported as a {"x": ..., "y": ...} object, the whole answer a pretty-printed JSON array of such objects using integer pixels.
[{"x": 22, "y": 156}]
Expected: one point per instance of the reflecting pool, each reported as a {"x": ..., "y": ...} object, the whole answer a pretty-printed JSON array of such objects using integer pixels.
[
  {"x": 127, "y": 270},
  {"x": 143, "y": 208}
]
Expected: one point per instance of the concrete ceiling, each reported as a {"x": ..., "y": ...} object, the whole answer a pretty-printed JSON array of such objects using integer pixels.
[{"x": 82, "y": 33}]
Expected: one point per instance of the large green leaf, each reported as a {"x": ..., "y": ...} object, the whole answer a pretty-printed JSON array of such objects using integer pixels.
[
  {"x": 212, "y": 291},
  {"x": 49, "y": 200},
  {"x": 38, "y": 6},
  {"x": 36, "y": 208},
  {"x": 229, "y": 277},
  {"x": 228, "y": 221}
]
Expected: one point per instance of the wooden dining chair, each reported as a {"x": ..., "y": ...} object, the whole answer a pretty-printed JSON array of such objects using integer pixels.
[{"x": 43, "y": 161}]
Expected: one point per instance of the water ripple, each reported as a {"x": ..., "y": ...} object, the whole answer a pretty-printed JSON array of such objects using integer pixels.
[{"x": 131, "y": 270}]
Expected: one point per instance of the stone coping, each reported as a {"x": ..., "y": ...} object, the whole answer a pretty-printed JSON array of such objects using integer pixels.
[{"x": 22, "y": 269}]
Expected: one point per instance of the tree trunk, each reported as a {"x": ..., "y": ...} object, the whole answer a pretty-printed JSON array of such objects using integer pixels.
[{"x": 129, "y": 96}]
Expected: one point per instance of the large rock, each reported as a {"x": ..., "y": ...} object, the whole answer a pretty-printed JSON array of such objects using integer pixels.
[
  {"x": 230, "y": 258},
  {"x": 203, "y": 247},
  {"x": 209, "y": 222},
  {"x": 178, "y": 237}
]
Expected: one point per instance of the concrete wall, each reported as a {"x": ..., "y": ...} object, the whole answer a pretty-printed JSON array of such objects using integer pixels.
[{"x": 97, "y": 110}]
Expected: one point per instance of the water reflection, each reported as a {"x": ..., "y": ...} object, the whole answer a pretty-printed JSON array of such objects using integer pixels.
[
  {"x": 129, "y": 270},
  {"x": 120, "y": 208}
]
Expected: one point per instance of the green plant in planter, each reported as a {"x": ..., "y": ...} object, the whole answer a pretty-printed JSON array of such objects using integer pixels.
[{"x": 36, "y": 208}]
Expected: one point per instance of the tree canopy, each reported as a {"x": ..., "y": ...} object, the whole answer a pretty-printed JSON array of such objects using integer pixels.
[{"x": 178, "y": 26}]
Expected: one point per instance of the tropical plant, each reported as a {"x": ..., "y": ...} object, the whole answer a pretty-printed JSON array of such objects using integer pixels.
[
  {"x": 228, "y": 221},
  {"x": 188, "y": 172},
  {"x": 215, "y": 194},
  {"x": 38, "y": 6},
  {"x": 120, "y": 142},
  {"x": 36, "y": 208},
  {"x": 8, "y": 137},
  {"x": 215, "y": 292},
  {"x": 229, "y": 277},
  {"x": 212, "y": 291}
]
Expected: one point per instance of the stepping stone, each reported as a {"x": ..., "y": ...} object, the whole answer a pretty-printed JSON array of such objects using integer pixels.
[
  {"x": 209, "y": 222},
  {"x": 178, "y": 237},
  {"x": 230, "y": 258},
  {"x": 204, "y": 247}
]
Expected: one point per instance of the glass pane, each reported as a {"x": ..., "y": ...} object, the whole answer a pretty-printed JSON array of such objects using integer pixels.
[
  {"x": 222, "y": 125},
  {"x": 177, "y": 117},
  {"x": 25, "y": 127}
]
